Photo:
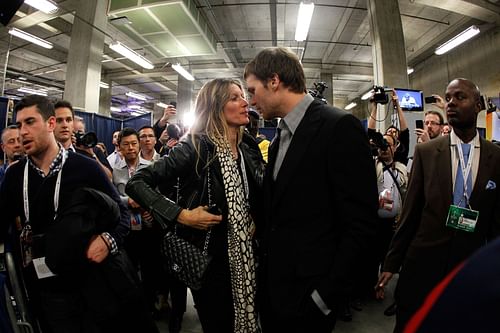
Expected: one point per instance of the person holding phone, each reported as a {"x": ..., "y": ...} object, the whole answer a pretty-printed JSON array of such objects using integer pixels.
[
  {"x": 433, "y": 125},
  {"x": 217, "y": 164}
]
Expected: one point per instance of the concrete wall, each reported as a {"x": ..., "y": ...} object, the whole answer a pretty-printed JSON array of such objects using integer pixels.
[{"x": 477, "y": 60}]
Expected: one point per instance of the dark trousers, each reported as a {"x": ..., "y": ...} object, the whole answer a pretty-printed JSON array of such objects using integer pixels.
[
  {"x": 214, "y": 301},
  {"x": 308, "y": 319}
]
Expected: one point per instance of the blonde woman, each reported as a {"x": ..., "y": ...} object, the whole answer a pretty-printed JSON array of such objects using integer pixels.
[{"x": 217, "y": 160}]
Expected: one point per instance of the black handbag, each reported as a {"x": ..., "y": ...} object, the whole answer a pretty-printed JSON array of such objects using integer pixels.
[{"x": 184, "y": 260}]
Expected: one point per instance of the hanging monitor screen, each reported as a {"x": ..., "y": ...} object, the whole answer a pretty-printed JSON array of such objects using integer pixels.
[{"x": 410, "y": 100}]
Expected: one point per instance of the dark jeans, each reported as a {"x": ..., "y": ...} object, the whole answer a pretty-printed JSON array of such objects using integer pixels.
[{"x": 214, "y": 301}]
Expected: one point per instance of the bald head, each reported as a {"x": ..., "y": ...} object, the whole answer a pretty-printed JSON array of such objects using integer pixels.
[{"x": 462, "y": 106}]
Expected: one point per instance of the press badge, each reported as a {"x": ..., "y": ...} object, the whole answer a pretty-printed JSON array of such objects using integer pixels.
[
  {"x": 462, "y": 218},
  {"x": 42, "y": 270}
]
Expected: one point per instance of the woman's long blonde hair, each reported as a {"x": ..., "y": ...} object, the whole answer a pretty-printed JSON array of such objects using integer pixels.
[{"x": 209, "y": 108}]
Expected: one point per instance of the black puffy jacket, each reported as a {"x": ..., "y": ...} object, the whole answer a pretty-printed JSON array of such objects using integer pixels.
[{"x": 184, "y": 166}]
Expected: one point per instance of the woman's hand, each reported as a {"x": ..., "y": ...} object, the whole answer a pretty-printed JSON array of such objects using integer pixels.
[{"x": 199, "y": 218}]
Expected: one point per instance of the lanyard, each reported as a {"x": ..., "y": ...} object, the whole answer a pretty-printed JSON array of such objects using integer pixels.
[
  {"x": 56, "y": 191},
  {"x": 465, "y": 171}
]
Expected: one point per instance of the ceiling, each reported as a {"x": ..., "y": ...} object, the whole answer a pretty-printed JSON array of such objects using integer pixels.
[{"x": 216, "y": 38}]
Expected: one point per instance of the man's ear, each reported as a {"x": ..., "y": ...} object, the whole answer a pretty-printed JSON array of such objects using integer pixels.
[
  {"x": 274, "y": 81},
  {"x": 51, "y": 122}
]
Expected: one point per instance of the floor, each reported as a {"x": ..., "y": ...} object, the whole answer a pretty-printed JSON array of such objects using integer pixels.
[{"x": 370, "y": 320}]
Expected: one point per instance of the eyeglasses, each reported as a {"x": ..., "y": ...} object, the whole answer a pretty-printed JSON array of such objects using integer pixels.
[
  {"x": 145, "y": 136},
  {"x": 433, "y": 123}
]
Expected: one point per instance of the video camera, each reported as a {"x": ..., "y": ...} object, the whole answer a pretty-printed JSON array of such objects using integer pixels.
[
  {"x": 173, "y": 131},
  {"x": 377, "y": 141},
  {"x": 87, "y": 140},
  {"x": 317, "y": 92},
  {"x": 380, "y": 95}
]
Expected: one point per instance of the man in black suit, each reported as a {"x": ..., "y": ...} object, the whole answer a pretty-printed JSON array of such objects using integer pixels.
[
  {"x": 321, "y": 204},
  {"x": 430, "y": 242}
]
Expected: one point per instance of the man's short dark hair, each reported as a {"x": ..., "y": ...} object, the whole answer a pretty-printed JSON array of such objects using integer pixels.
[
  {"x": 43, "y": 105},
  {"x": 392, "y": 126},
  {"x": 65, "y": 104},
  {"x": 440, "y": 116},
  {"x": 280, "y": 61},
  {"x": 144, "y": 127},
  {"x": 127, "y": 131}
]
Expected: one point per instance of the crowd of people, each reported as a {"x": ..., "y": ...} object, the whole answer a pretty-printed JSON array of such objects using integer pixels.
[{"x": 328, "y": 215}]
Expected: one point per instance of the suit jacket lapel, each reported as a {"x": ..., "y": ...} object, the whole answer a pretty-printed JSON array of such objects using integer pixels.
[
  {"x": 483, "y": 173},
  {"x": 301, "y": 139},
  {"x": 444, "y": 170}
]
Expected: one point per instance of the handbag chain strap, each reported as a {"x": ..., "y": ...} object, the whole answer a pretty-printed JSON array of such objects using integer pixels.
[
  {"x": 209, "y": 185},
  {"x": 209, "y": 232}
]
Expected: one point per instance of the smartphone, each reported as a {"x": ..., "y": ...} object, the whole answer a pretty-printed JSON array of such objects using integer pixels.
[
  {"x": 173, "y": 103},
  {"x": 213, "y": 209},
  {"x": 419, "y": 123},
  {"x": 430, "y": 99}
]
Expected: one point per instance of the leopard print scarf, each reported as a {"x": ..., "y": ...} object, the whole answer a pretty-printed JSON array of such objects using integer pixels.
[{"x": 240, "y": 250}]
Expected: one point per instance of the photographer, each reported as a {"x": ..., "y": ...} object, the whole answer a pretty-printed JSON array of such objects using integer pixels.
[
  {"x": 392, "y": 182},
  {"x": 85, "y": 144},
  {"x": 402, "y": 135}
]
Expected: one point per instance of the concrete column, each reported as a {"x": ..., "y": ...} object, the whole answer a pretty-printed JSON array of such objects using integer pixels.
[
  {"x": 105, "y": 98},
  {"x": 184, "y": 97},
  {"x": 85, "y": 54},
  {"x": 388, "y": 49},
  {"x": 328, "y": 93}
]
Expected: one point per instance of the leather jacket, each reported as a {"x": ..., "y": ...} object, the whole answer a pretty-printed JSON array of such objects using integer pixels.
[{"x": 180, "y": 180}]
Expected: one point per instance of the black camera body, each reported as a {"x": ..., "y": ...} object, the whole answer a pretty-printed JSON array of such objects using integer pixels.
[
  {"x": 87, "y": 140},
  {"x": 377, "y": 141},
  {"x": 317, "y": 92},
  {"x": 380, "y": 95},
  {"x": 173, "y": 131}
]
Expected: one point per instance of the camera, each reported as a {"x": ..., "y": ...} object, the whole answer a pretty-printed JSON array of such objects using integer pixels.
[
  {"x": 380, "y": 95},
  {"x": 87, "y": 140},
  {"x": 430, "y": 99},
  {"x": 377, "y": 141},
  {"x": 173, "y": 131},
  {"x": 317, "y": 92}
]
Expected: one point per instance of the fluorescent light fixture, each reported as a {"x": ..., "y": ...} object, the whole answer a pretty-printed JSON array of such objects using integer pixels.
[
  {"x": 162, "y": 105},
  {"x": 179, "y": 69},
  {"x": 136, "y": 96},
  {"x": 409, "y": 70},
  {"x": 22, "y": 78},
  {"x": 103, "y": 85},
  {"x": 115, "y": 109},
  {"x": 134, "y": 106},
  {"x": 131, "y": 55},
  {"x": 457, "y": 40},
  {"x": 30, "y": 38},
  {"x": 45, "y": 6},
  {"x": 303, "y": 21},
  {"x": 367, "y": 95},
  {"x": 350, "y": 106},
  {"x": 32, "y": 91}
]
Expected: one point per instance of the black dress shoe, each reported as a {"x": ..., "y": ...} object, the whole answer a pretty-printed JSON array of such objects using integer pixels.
[
  {"x": 345, "y": 313},
  {"x": 391, "y": 309}
]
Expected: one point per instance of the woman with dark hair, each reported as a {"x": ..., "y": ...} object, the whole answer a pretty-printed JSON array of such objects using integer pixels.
[{"x": 217, "y": 164}]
